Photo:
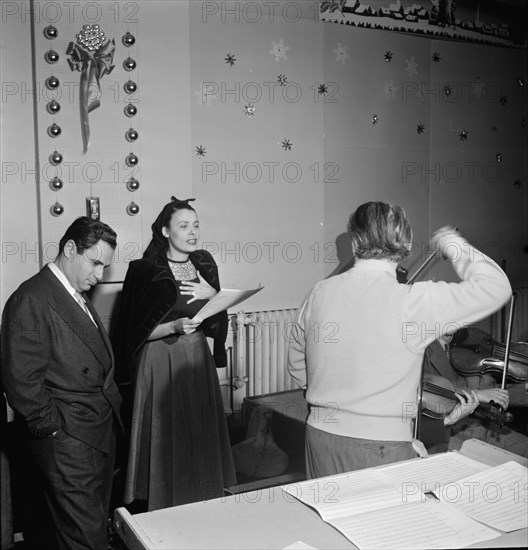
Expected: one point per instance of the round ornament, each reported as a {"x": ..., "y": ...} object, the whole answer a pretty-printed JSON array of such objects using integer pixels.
[
  {"x": 51, "y": 56},
  {"x": 55, "y": 158},
  {"x": 131, "y": 135},
  {"x": 57, "y": 209},
  {"x": 52, "y": 83},
  {"x": 128, "y": 40},
  {"x": 130, "y": 110},
  {"x": 54, "y": 130},
  {"x": 131, "y": 160},
  {"x": 56, "y": 183},
  {"x": 53, "y": 107},
  {"x": 50, "y": 32},
  {"x": 132, "y": 209},
  {"x": 129, "y": 64},
  {"x": 132, "y": 184},
  {"x": 130, "y": 87}
]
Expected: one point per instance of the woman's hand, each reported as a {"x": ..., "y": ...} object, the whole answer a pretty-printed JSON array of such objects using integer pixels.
[
  {"x": 440, "y": 239},
  {"x": 184, "y": 325},
  {"x": 199, "y": 291},
  {"x": 462, "y": 409}
]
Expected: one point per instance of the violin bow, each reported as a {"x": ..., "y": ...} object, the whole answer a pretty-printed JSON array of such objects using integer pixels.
[
  {"x": 508, "y": 340},
  {"x": 414, "y": 276}
]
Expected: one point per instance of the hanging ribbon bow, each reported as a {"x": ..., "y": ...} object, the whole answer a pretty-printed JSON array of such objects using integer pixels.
[{"x": 92, "y": 66}]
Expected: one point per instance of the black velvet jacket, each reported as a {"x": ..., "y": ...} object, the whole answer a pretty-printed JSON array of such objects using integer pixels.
[{"x": 149, "y": 292}]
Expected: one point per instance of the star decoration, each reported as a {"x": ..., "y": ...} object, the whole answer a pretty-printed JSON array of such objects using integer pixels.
[
  {"x": 281, "y": 79},
  {"x": 287, "y": 144},
  {"x": 463, "y": 135},
  {"x": 499, "y": 157},
  {"x": 323, "y": 88},
  {"x": 436, "y": 57},
  {"x": 230, "y": 59},
  {"x": 420, "y": 129},
  {"x": 503, "y": 100},
  {"x": 200, "y": 151},
  {"x": 517, "y": 183},
  {"x": 447, "y": 90},
  {"x": 374, "y": 119},
  {"x": 249, "y": 110},
  {"x": 388, "y": 56}
]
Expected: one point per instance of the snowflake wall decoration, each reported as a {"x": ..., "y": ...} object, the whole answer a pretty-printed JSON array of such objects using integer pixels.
[
  {"x": 374, "y": 119},
  {"x": 388, "y": 56},
  {"x": 517, "y": 183},
  {"x": 499, "y": 157},
  {"x": 503, "y": 100},
  {"x": 287, "y": 145},
  {"x": 279, "y": 50},
  {"x": 463, "y": 135},
  {"x": 249, "y": 110},
  {"x": 436, "y": 57},
  {"x": 282, "y": 79},
  {"x": 341, "y": 53},
  {"x": 200, "y": 151},
  {"x": 420, "y": 129},
  {"x": 322, "y": 89},
  {"x": 524, "y": 123},
  {"x": 230, "y": 59},
  {"x": 447, "y": 90},
  {"x": 412, "y": 66}
]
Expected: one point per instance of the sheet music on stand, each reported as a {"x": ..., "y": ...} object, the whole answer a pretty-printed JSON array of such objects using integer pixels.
[
  {"x": 393, "y": 507},
  {"x": 224, "y": 299}
]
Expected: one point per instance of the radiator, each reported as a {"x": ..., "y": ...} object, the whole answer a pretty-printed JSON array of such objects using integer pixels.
[{"x": 261, "y": 343}]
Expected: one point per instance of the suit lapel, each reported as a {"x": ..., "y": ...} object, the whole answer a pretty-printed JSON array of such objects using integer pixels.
[
  {"x": 68, "y": 309},
  {"x": 102, "y": 330}
]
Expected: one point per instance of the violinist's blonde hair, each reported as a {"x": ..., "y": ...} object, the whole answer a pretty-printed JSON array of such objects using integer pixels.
[{"x": 380, "y": 231}]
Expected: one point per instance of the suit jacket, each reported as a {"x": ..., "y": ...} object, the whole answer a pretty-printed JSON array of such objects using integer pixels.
[
  {"x": 149, "y": 293},
  {"x": 57, "y": 367}
]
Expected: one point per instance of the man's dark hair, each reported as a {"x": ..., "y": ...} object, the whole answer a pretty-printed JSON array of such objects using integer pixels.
[{"x": 86, "y": 232}]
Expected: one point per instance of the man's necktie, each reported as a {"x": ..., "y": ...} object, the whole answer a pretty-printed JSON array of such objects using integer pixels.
[{"x": 80, "y": 300}]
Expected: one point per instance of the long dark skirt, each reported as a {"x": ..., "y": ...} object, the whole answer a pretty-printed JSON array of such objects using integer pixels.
[{"x": 179, "y": 449}]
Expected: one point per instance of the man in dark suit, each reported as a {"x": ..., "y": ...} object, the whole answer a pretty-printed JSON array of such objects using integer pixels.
[{"x": 57, "y": 370}]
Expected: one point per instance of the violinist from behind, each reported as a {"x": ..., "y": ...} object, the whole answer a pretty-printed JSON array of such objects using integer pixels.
[
  {"x": 358, "y": 342},
  {"x": 450, "y": 432}
]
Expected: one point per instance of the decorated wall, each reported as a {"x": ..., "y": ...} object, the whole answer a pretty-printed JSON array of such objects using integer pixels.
[{"x": 279, "y": 123}]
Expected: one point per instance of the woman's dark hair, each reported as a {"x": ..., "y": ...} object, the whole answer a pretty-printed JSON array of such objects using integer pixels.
[
  {"x": 86, "y": 232},
  {"x": 380, "y": 231},
  {"x": 158, "y": 242}
]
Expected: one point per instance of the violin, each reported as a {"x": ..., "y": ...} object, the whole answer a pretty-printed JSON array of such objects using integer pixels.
[
  {"x": 439, "y": 399},
  {"x": 474, "y": 352}
]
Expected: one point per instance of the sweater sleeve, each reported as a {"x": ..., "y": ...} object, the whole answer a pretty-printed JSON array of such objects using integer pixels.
[
  {"x": 297, "y": 347},
  {"x": 434, "y": 308}
]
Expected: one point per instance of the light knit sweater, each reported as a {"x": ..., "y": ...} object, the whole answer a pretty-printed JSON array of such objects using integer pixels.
[{"x": 360, "y": 338}]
